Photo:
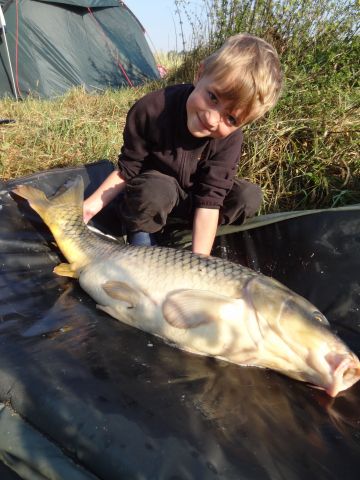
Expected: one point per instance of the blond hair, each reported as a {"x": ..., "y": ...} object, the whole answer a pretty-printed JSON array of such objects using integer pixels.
[{"x": 248, "y": 72}]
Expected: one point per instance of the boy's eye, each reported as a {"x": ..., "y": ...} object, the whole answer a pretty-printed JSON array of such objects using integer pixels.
[
  {"x": 212, "y": 96},
  {"x": 231, "y": 120}
]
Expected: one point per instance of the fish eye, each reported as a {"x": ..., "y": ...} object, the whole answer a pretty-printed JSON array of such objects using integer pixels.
[{"x": 319, "y": 317}]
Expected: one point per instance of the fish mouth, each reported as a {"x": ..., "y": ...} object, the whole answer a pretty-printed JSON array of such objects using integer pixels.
[{"x": 345, "y": 374}]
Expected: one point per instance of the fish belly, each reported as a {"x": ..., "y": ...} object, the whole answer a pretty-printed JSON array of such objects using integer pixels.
[{"x": 122, "y": 291}]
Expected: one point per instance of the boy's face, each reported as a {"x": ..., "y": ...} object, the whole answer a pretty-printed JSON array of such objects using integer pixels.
[{"x": 207, "y": 114}]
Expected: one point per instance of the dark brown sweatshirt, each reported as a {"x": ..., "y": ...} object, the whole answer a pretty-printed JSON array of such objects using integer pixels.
[{"x": 156, "y": 137}]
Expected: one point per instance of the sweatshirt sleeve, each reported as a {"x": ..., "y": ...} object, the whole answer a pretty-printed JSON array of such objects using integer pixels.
[
  {"x": 217, "y": 171},
  {"x": 135, "y": 147}
]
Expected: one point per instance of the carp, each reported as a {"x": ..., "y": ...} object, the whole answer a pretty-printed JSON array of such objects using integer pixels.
[{"x": 204, "y": 305}]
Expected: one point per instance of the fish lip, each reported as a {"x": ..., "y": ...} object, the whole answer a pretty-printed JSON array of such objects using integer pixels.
[
  {"x": 346, "y": 374},
  {"x": 337, "y": 372}
]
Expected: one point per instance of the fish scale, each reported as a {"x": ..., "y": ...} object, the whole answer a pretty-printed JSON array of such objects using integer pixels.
[{"x": 182, "y": 269}]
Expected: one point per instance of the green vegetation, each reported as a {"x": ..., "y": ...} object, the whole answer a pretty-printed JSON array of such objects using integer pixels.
[
  {"x": 74, "y": 129},
  {"x": 304, "y": 154}
]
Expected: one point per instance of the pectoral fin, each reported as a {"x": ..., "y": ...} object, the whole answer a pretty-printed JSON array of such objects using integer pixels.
[
  {"x": 66, "y": 270},
  {"x": 122, "y": 291},
  {"x": 191, "y": 308}
]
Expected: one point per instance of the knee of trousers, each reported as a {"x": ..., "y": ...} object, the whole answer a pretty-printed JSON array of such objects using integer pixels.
[
  {"x": 250, "y": 195},
  {"x": 242, "y": 202},
  {"x": 153, "y": 191},
  {"x": 148, "y": 199}
]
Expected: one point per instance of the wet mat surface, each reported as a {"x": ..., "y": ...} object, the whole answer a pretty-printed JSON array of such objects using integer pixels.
[{"x": 112, "y": 402}]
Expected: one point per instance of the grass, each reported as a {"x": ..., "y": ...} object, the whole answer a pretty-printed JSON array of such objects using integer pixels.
[
  {"x": 304, "y": 154},
  {"x": 75, "y": 129}
]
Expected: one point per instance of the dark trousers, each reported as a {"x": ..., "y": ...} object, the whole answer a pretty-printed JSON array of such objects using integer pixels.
[{"x": 151, "y": 197}]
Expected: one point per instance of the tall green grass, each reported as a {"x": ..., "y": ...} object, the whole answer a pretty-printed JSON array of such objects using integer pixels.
[{"x": 304, "y": 153}]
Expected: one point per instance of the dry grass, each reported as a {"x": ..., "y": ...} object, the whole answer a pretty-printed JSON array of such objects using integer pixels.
[
  {"x": 72, "y": 130},
  {"x": 302, "y": 155},
  {"x": 306, "y": 155}
]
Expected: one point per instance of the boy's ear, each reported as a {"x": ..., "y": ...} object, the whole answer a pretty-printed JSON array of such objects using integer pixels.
[{"x": 199, "y": 73}]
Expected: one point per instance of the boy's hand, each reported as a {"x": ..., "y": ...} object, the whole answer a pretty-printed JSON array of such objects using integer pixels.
[
  {"x": 90, "y": 209},
  {"x": 107, "y": 191},
  {"x": 204, "y": 230}
]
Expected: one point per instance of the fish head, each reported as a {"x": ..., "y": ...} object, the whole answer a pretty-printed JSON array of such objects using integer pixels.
[{"x": 297, "y": 339}]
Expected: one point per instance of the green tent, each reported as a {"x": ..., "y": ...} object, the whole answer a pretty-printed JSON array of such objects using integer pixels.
[{"x": 50, "y": 46}]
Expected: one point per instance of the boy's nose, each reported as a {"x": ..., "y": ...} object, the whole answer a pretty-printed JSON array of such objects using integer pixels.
[{"x": 213, "y": 117}]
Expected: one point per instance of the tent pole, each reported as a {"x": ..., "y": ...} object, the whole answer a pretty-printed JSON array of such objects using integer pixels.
[{"x": 2, "y": 26}]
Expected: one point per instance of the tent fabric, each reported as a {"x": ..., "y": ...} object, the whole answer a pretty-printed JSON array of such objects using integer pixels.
[
  {"x": 85, "y": 3},
  {"x": 55, "y": 46},
  {"x": 111, "y": 402}
]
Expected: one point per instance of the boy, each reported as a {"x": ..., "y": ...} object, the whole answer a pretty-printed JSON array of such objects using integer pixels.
[{"x": 182, "y": 146}]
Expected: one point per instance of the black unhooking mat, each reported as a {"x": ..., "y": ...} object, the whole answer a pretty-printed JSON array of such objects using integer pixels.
[{"x": 86, "y": 397}]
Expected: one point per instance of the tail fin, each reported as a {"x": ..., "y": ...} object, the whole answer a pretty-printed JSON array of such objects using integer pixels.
[{"x": 41, "y": 204}]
